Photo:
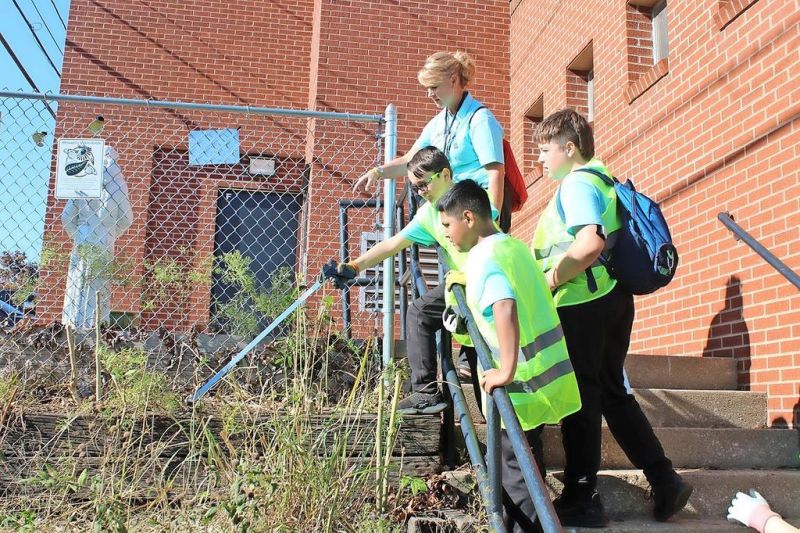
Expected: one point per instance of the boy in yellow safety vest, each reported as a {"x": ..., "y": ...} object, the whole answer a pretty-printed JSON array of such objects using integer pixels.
[
  {"x": 578, "y": 225},
  {"x": 512, "y": 307}
]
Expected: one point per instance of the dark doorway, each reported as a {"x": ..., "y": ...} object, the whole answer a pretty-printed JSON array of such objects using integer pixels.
[{"x": 262, "y": 228}]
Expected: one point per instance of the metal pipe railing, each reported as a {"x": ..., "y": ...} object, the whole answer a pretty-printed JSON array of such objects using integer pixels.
[
  {"x": 461, "y": 413},
  {"x": 488, "y": 478},
  {"x": 220, "y": 108},
  {"x": 533, "y": 479},
  {"x": 344, "y": 254},
  {"x": 769, "y": 257},
  {"x": 389, "y": 200}
]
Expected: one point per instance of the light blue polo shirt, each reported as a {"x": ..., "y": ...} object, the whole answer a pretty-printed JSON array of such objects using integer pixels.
[
  {"x": 491, "y": 284},
  {"x": 580, "y": 202},
  {"x": 470, "y": 144}
]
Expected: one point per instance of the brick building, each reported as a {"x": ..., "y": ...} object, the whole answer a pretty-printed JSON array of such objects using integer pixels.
[
  {"x": 326, "y": 55},
  {"x": 697, "y": 103}
]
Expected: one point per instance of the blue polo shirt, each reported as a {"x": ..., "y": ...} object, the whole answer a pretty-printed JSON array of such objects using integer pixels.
[{"x": 468, "y": 144}]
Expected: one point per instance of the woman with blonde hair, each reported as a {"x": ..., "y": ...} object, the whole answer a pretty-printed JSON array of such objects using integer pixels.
[
  {"x": 470, "y": 137},
  {"x": 465, "y": 130}
]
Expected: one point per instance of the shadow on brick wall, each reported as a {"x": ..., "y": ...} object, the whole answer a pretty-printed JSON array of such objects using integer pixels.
[
  {"x": 728, "y": 335},
  {"x": 781, "y": 422}
]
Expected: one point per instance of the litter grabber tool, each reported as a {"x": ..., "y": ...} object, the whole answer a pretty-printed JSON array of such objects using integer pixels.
[{"x": 329, "y": 272}]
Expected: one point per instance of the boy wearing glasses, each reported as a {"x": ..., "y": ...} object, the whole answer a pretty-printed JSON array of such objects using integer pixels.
[{"x": 431, "y": 177}]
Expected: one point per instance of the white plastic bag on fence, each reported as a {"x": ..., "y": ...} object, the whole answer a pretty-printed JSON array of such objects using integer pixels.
[{"x": 94, "y": 225}]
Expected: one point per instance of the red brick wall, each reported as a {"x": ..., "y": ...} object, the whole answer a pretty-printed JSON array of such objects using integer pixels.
[
  {"x": 714, "y": 129},
  {"x": 364, "y": 65},
  {"x": 347, "y": 56}
]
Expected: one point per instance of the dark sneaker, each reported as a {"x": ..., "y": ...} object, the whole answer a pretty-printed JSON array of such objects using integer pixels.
[
  {"x": 586, "y": 511},
  {"x": 670, "y": 497},
  {"x": 421, "y": 403}
]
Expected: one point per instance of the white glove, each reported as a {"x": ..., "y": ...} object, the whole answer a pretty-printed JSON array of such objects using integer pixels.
[
  {"x": 752, "y": 511},
  {"x": 453, "y": 321}
]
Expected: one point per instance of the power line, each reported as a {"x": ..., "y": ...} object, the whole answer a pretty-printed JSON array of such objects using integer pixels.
[
  {"x": 24, "y": 72},
  {"x": 33, "y": 32},
  {"x": 60, "y": 18},
  {"x": 46, "y": 27}
]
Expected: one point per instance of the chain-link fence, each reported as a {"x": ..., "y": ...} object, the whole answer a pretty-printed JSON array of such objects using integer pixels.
[{"x": 190, "y": 221}]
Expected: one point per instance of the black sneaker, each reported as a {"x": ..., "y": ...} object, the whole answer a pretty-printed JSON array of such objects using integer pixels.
[
  {"x": 670, "y": 497},
  {"x": 421, "y": 403},
  {"x": 586, "y": 511}
]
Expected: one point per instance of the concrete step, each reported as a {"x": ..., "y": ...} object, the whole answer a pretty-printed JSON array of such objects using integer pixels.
[
  {"x": 686, "y": 408},
  {"x": 674, "y": 372},
  {"x": 623, "y": 491},
  {"x": 703, "y": 409},
  {"x": 726, "y": 448},
  {"x": 722, "y": 448},
  {"x": 681, "y": 525}
]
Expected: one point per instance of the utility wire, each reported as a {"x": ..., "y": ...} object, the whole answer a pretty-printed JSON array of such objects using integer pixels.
[
  {"x": 46, "y": 27},
  {"x": 36, "y": 37},
  {"x": 60, "y": 18},
  {"x": 24, "y": 72}
]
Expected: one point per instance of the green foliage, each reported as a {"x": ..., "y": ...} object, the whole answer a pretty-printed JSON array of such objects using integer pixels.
[
  {"x": 109, "y": 512},
  {"x": 416, "y": 484},
  {"x": 241, "y": 314},
  {"x": 20, "y": 521},
  {"x": 174, "y": 278},
  {"x": 60, "y": 477},
  {"x": 136, "y": 388}
]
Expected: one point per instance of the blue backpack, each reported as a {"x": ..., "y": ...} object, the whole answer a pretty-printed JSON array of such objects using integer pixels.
[{"x": 643, "y": 258}]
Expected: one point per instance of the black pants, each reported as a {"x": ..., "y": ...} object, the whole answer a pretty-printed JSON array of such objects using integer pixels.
[
  {"x": 423, "y": 320},
  {"x": 518, "y": 510},
  {"x": 597, "y": 335}
]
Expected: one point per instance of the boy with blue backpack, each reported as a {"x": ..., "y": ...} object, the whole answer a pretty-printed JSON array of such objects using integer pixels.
[{"x": 575, "y": 236}]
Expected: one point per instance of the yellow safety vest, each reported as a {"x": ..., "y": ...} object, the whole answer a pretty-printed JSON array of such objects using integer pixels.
[
  {"x": 544, "y": 389},
  {"x": 551, "y": 240}
]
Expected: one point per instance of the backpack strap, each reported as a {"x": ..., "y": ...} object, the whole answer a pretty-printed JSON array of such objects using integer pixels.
[
  {"x": 591, "y": 281},
  {"x": 606, "y": 179},
  {"x": 469, "y": 122}
]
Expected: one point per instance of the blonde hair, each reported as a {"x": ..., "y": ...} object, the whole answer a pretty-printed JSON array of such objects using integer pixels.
[{"x": 441, "y": 65}]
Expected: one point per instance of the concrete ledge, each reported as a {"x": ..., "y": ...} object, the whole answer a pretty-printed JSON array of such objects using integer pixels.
[
  {"x": 686, "y": 408},
  {"x": 703, "y": 409},
  {"x": 728, "y": 448},
  {"x": 673, "y": 372},
  {"x": 682, "y": 525},
  {"x": 624, "y": 491}
]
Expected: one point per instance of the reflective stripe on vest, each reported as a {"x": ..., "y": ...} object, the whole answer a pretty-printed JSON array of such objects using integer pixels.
[
  {"x": 560, "y": 369},
  {"x": 543, "y": 341}
]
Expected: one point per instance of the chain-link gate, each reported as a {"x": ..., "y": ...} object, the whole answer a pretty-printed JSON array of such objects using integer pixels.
[{"x": 205, "y": 222}]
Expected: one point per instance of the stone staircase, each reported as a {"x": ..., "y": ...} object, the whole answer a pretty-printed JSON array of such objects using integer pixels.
[{"x": 715, "y": 435}]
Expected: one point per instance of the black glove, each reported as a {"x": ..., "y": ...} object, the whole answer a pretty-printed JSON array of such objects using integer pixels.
[{"x": 338, "y": 274}]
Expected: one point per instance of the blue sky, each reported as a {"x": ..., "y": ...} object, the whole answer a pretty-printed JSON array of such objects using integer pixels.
[{"x": 25, "y": 167}]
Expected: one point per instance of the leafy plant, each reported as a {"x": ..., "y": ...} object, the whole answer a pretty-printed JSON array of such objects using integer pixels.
[{"x": 241, "y": 314}]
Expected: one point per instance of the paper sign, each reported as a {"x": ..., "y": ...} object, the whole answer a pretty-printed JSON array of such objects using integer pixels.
[
  {"x": 214, "y": 147},
  {"x": 79, "y": 168}
]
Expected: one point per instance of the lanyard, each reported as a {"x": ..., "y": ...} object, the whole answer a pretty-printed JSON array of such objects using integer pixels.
[{"x": 449, "y": 131}]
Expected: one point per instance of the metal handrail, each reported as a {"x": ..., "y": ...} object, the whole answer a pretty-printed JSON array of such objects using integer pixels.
[
  {"x": 769, "y": 257},
  {"x": 218, "y": 108}
]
